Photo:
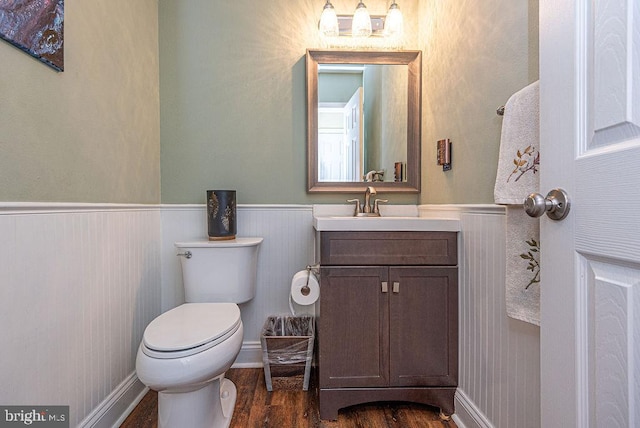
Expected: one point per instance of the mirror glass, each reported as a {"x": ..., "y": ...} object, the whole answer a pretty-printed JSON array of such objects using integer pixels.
[{"x": 363, "y": 117}]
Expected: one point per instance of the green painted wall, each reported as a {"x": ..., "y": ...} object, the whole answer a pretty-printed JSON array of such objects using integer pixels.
[
  {"x": 337, "y": 87},
  {"x": 224, "y": 104},
  {"x": 233, "y": 96},
  {"x": 233, "y": 93},
  {"x": 476, "y": 55},
  {"x": 92, "y": 132}
]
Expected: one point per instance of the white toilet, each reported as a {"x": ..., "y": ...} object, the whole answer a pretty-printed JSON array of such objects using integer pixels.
[{"x": 186, "y": 351}]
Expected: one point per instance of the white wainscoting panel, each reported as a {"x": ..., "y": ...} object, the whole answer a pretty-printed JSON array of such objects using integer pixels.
[
  {"x": 288, "y": 247},
  {"x": 79, "y": 283},
  {"x": 499, "y": 362}
]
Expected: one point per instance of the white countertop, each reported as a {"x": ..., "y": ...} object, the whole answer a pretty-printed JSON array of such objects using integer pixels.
[{"x": 340, "y": 223}]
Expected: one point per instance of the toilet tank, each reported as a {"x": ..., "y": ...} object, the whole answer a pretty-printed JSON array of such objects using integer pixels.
[{"x": 219, "y": 271}]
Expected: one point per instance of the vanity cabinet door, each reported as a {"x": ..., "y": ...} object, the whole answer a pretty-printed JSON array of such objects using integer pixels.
[
  {"x": 423, "y": 326},
  {"x": 391, "y": 342},
  {"x": 353, "y": 330}
]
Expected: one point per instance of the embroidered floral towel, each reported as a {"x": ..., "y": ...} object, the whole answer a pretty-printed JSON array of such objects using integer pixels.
[
  {"x": 516, "y": 178},
  {"x": 523, "y": 266},
  {"x": 519, "y": 157}
]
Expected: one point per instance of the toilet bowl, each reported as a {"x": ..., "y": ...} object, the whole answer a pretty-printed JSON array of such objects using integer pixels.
[
  {"x": 184, "y": 355},
  {"x": 185, "y": 351}
]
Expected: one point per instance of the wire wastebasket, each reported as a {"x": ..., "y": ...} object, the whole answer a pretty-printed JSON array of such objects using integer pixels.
[{"x": 287, "y": 351}]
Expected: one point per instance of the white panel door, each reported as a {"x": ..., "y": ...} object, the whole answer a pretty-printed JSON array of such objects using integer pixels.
[
  {"x": 590, "y": 146},
  {"x": 354, "y": 135}
]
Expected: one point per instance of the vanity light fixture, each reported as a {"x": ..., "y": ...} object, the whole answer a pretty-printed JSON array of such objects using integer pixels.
[
  {"x": 394, "y": 24},
  {"x": 329, "y": 21},
  {"x": 361, "y": 25}
]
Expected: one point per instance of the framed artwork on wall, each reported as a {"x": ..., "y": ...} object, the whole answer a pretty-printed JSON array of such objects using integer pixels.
[{"x": 36, "y": 27}]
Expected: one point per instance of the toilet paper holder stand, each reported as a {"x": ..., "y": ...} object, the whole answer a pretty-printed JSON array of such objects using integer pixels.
[
  {"x": 305, "y": 290},
  {"x": 310, "y": 268}
]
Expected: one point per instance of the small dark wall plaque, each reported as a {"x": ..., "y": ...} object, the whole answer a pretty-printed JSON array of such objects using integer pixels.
[
  {"x": 36, "y": 27},
  {"x": 221, "y": 214}
]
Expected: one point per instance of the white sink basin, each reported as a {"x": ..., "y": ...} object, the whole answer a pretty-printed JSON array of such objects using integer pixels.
[{"x": 392, "y": 223}]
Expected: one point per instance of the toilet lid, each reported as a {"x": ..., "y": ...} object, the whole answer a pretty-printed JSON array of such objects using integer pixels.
[{"x": 191, "y": 325}]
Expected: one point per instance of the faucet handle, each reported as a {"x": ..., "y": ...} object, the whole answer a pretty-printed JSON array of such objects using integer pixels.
[
  {"x": 357, "y": 206},
  {"x": 376, "y": 209}
]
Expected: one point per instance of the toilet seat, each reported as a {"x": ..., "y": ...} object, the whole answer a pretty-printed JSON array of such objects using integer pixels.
[{"x": 190, "y": 328}]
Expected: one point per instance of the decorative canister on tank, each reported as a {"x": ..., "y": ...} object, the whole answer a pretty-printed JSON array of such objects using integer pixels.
[{"x": 221, "y": 214}]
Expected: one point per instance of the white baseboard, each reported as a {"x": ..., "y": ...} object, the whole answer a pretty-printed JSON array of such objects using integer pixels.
[
  {"x": 116, "y": 407},
  {"x": 250, "y": 356},
  {"x": 467, "y": 413}
]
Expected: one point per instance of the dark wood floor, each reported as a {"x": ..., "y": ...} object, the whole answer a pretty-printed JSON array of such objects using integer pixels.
[{"x": 256, "y": 407}]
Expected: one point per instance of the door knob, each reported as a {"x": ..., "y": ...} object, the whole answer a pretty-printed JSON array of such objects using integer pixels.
[{"x": 556, "y": 204}]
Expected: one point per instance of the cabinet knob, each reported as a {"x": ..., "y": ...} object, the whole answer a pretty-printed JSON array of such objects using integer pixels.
[
  {"x": 396, "y": 287},
  {"x": 385, "y": 287}
]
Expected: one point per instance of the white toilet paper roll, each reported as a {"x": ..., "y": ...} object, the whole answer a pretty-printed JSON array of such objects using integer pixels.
[{"x": 304, "y": 293}]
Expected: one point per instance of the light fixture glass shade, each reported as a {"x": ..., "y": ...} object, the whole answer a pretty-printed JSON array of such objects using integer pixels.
[
  {"x": 361, "y": 25},
  {"x": 394, "y": 24},
  {"x": 328, "y": 26}
]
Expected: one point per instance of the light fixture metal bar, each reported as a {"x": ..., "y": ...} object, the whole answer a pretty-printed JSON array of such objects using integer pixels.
[{"x": 377, "y": 25}]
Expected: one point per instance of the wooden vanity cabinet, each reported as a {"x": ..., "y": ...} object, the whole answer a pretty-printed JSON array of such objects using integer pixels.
[{"x": 387, "y": 325}]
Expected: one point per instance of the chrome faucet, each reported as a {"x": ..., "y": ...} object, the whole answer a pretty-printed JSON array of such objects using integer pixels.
[{"x": 368, "y": 210}]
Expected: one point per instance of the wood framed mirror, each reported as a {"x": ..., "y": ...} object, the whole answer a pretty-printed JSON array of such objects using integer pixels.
[{"x": 363, "y": 120}]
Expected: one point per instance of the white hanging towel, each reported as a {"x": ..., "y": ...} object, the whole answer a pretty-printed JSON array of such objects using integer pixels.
[
  {"x": 516, "y": 178},
  {"x": 519, "y": 159}
]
